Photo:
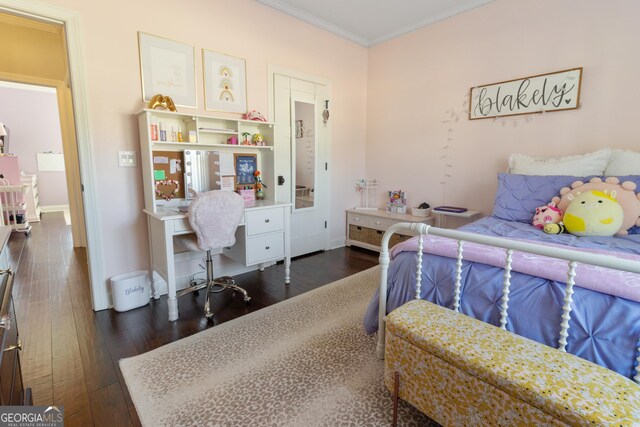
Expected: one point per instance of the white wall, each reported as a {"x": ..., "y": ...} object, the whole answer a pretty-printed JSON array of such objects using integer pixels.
[
  {"x": 31, "y": 113},
  {"x": 242, "y": 28},
  {"x": 417, "y": 81}
]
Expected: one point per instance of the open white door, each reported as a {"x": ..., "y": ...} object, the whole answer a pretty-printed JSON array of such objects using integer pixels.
[{"x": 302, "y": 139}]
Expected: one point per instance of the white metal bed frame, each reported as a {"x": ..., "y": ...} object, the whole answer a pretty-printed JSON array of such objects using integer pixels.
[{"x": 572, "y": 256}]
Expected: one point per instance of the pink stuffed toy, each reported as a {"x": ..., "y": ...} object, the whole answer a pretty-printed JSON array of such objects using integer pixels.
[{"x": 548, "y": 214}]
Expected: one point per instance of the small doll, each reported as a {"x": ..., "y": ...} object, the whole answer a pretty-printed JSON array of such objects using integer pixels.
[{"x": 259, "y": 185}]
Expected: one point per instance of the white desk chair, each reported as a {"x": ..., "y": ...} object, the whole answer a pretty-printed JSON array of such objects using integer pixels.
[{"x": 214, "y": 216}]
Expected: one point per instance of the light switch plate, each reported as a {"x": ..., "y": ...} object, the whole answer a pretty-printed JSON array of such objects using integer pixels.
[{"x": 127, "y": 159}]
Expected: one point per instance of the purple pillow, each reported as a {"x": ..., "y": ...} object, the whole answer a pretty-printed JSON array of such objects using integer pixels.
[
  {"x": 636, "y": 179},
  {"x": 518, "y": 196}
]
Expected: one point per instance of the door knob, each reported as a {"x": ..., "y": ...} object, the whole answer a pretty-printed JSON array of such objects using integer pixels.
[
  {"x": 13, "y": 347},
  {"x": 280, "y": 180}
]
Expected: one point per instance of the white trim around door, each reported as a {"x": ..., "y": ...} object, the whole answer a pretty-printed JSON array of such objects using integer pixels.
[{"x": 72, "y": 22}]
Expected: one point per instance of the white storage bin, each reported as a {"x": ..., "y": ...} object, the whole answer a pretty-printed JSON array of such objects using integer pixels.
[{"x": 130, "y": 290}]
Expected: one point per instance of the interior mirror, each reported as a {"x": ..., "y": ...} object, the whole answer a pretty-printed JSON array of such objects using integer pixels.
[{"x": 305, "y": 154}]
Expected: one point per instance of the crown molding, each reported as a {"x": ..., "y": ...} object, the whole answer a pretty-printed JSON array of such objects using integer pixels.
[
  {"x": 314, "y": 20},
  {"x": 325, "y": 25},
  {"x": 446, "y": 14}
]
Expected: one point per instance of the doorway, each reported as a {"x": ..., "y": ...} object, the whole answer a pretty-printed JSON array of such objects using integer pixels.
[
  {"x": 40, "y": 74},
  {"x": 302, "y": 146},
  {"x": 74, "y": 116}
]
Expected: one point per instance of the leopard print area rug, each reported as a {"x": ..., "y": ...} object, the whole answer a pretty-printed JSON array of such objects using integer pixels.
[{"x": 303, "y": 362}]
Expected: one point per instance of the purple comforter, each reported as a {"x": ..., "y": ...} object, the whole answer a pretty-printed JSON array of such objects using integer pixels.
[{"x": 603, "y": 328}]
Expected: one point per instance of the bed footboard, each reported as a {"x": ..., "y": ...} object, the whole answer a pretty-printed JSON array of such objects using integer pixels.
[{"x": 573, "y": 258}]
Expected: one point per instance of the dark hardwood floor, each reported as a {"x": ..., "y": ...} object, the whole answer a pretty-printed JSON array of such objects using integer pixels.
[{"x": 70, "y": 353}]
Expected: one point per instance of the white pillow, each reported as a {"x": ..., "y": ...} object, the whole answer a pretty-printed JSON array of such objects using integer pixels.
[
  {"x": 580, "y": 165},
  {"x": 623, "y": 162}
]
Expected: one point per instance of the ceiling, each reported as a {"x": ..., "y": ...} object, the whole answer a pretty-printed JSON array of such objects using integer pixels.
[{"x": 369, "y": 22}]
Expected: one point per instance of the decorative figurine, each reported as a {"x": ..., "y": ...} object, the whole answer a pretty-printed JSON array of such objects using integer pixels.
[
  {"x": 245, "y": 141},
  {"x": 164, "y": 102},
  {"x": 258, "y": 140},
  {"x": 259, "y": 185}
]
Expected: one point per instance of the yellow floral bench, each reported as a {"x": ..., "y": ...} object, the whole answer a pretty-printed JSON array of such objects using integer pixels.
[{"x": 463, "y": 372}]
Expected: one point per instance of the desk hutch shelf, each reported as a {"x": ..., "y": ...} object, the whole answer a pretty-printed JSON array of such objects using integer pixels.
[{"x": 211, "y": 134}]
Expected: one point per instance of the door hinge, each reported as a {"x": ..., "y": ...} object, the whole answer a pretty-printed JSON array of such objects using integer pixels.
[
  {"x": 325, "y": 224},
  {"x": 326, "y": 166},
  {"x": 82, "y": 188}
]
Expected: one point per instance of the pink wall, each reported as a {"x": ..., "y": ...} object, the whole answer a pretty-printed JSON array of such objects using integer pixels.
[
  {"x": 415, "y": 80},
  {"x": 32, "y": 116},
  {"x": 242, "y": 28}
]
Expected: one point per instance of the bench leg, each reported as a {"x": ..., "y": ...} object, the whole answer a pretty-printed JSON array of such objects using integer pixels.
[{"x": 396, "y": 386}]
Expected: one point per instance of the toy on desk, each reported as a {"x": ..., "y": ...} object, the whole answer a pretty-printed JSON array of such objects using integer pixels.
[
  {"x": 245, "y": 141},
  {"x": 259, "y": 185},
  {"x": 258, "y": 140}
]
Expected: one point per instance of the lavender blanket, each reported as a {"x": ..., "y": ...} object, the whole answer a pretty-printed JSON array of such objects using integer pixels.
[
  {"x": 604, "y": 328},
  {"x": 613, "y": 282}
]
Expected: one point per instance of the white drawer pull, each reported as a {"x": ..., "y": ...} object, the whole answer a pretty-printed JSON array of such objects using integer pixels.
[{"x": 266, "y": 220}]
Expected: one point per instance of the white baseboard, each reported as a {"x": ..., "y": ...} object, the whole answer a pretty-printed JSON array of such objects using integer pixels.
[
  {"x": 54, "y": 208},
  {"x": 337, "y": 243}
]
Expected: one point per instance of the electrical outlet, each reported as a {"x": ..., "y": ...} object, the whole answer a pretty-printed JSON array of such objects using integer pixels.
[{"x": 127, "y": 159}]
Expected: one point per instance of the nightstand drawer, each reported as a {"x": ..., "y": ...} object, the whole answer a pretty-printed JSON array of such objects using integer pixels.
[
  {"x": 356, "y": 219},
  {"x": 381, "y": 223},
  {"x": 265, "y": 247},
  {"x": 264, "y": 221}
]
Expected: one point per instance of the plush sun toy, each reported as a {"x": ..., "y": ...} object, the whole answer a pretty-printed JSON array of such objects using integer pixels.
[
  {"x": 594, "y": 213},
  {"x": 597, "y": 207}
]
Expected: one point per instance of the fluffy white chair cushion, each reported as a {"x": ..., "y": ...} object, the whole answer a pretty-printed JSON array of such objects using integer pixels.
[
  {"x": 580, "y": 165},
  {"x": 214, "y": 216},
  {"x": 623, "y": 162}
]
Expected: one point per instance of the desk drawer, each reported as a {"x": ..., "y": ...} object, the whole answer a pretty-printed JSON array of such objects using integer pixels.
[
  {"x": 181, "y": 224},
  {"x": 265, "y": 247},
  {"x": 264, "y": 221}
]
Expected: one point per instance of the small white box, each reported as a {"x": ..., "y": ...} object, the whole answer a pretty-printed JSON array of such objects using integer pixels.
[{"x": 130, "y": 290}]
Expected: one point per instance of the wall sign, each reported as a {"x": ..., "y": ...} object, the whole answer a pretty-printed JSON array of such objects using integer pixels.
[{"x": 535, "y": 94}]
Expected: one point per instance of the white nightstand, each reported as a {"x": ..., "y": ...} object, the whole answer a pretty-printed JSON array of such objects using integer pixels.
[
  {"x": 468, "y": 215},
  {"x": 365, "y": 228}
]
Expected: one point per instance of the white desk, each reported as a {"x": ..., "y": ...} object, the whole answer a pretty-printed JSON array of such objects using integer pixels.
[{"x": 263, "y": 237}]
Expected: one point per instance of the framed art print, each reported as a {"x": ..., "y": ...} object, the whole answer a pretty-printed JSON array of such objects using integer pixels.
[
  {"x": 245, "y": 165},
  {"x": 167, "y": 67},
  {"x": 225, "y": 82}
]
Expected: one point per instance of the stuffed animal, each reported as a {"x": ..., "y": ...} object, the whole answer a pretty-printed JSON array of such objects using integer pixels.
[
  {"x": 625, "y": 195},
  {"x": 593, "y": 213},
  {"x": 553, "y": 228},
  {"x": 548, "y": 214}
]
